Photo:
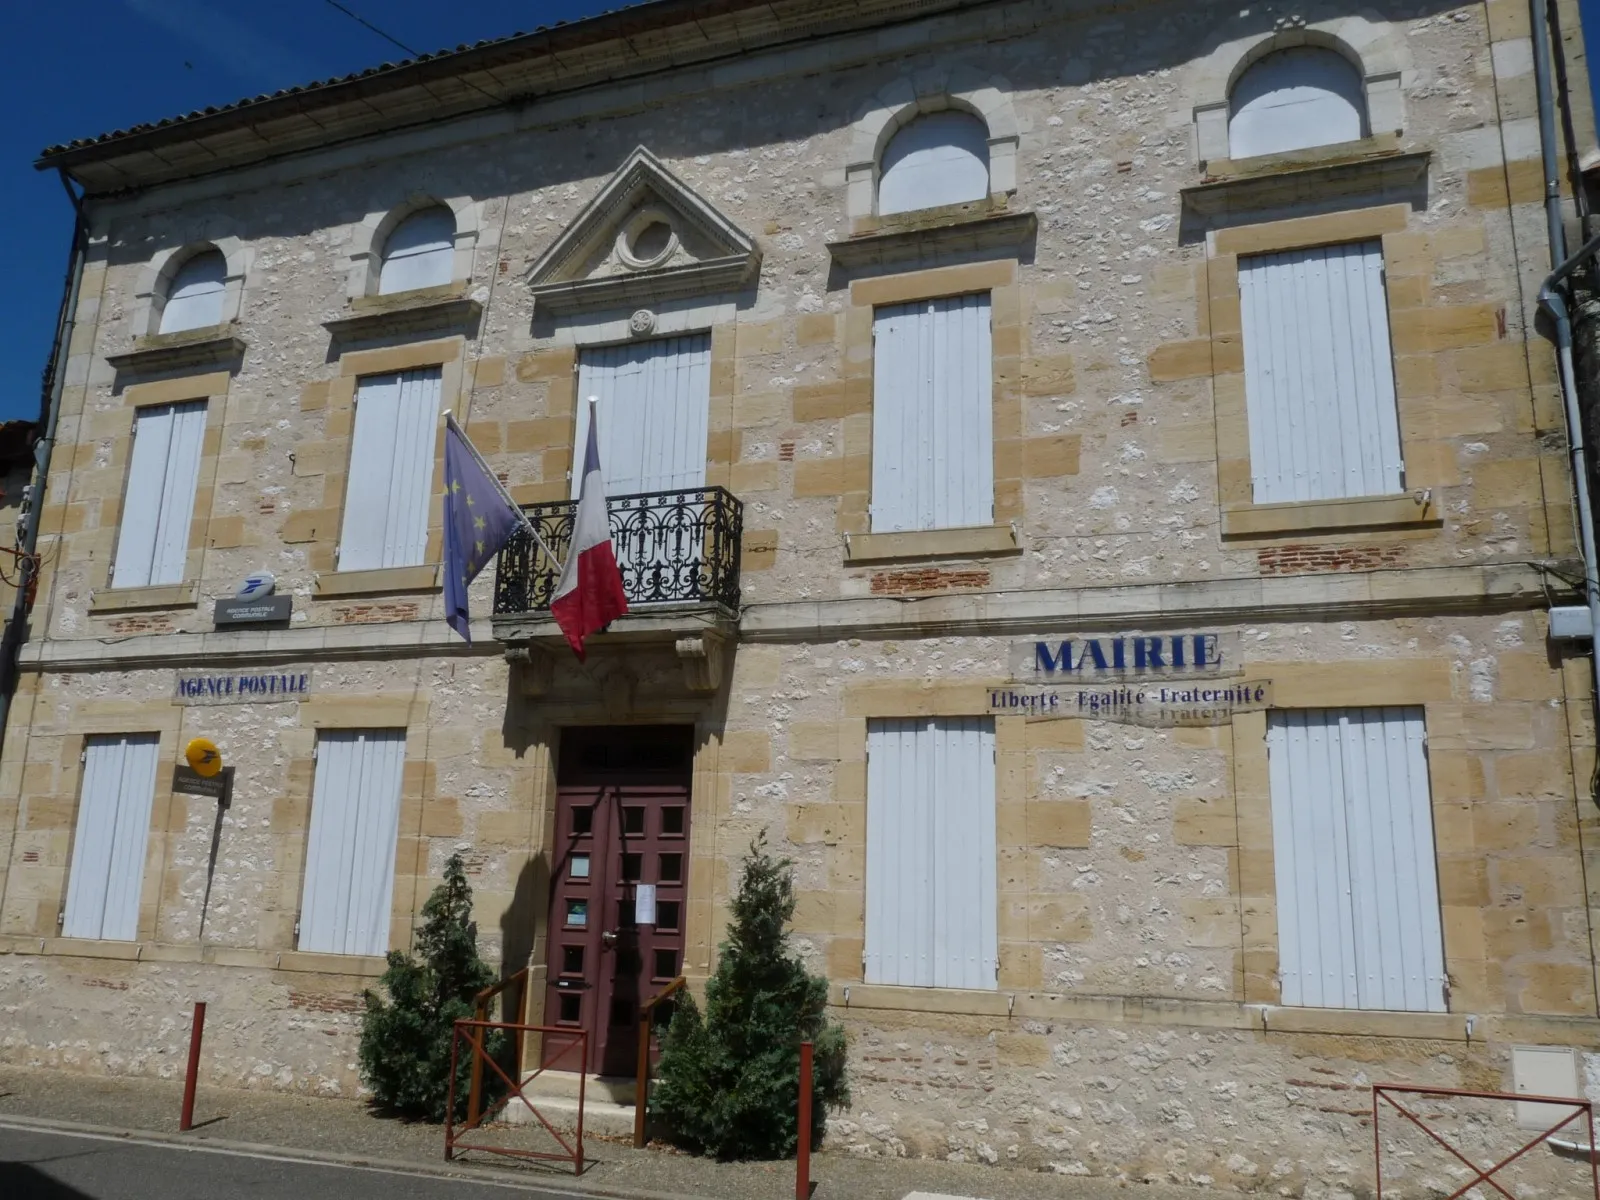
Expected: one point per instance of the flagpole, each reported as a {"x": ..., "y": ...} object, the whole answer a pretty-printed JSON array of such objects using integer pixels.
[{"x": 504, "y": 494}]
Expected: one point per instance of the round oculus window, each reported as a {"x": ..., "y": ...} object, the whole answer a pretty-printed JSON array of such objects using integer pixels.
[{"x": 646, "y": 241}]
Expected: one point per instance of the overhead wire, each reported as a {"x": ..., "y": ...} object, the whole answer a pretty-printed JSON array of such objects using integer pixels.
[{"x": 390, "y": 38}]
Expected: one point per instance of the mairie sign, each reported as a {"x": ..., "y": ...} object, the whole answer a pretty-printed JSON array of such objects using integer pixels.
[
  {"x": 241, "y": 687},
  {"x": 1155, "y": 704},
  {"x": 1106, "y": 657}
]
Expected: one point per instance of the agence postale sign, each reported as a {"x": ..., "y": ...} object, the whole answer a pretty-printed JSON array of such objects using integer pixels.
[{"x": 1131, "y": 679}]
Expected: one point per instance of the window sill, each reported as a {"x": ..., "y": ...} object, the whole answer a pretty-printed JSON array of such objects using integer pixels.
[
  {"x": 1276, "y": 181},
  {"x": 366, "y": 966},
  {"x": 1380, "y": 145},
  {"x": 421, "y": 310},
  {"x": 964, "y": 542},
  {"x": 166, "y": 595},
  {"x": 1314, "y": 516},
  {"x": 933, "y": 234},
  {"x": 214, "y": 344},
  {"x": 382, "y": 579},
  {"x": 1165, "y": 1011}
]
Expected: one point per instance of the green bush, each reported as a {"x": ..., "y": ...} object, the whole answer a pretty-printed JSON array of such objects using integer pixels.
[
  {"x": 405, "y": 1041},
  {"x": 729, "y": 1081}
]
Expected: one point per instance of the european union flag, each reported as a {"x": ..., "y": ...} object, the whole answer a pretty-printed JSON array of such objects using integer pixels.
[{"x": 479, "y": 518}]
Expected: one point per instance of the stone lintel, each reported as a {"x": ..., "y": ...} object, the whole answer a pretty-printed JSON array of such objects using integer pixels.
[
  {"x": 373, "y": 317},
  {"x": 1384, "y": 175},
  {"x": 717, "y": 275},
  {"x": 984, "y": 233},
  {"x": 176, "y": 351}
]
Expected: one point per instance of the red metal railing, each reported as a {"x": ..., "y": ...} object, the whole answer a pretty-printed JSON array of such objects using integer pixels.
[
  {"x": 471, "y": 1033},
  {"x": 802, "y": 1160},
  {"x": 641, "y": 1085},
  {"x": 1388, "y": 1091},
  {"x": 481, "y": 1004}
]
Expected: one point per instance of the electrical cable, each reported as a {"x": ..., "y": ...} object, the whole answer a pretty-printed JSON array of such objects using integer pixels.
[
  {"x": 362, "y": 21},
  {"x": 390, "y": 38}
]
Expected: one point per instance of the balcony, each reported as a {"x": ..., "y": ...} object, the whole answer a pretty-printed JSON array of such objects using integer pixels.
[{"x": 678, "y": 552}]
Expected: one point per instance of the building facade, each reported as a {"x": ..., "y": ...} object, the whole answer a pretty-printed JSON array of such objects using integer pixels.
[{"x": 1090, "y": 485}]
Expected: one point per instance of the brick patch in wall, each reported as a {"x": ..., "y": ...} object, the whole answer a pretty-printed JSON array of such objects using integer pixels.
[
  {"x": 374, "y": 614},
  {"x": 1306, "y": 560},
  {"x": 926, "y": 579},
  {"x": 127, "y": 625},
  {"x": 326, "y": 1003}
]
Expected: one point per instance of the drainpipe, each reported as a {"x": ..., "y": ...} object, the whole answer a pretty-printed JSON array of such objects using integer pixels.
[
  {"x": 1554, "y": 298},
  {"x": 28, "y": 535},
  {"x": 1539, "y": 20}
]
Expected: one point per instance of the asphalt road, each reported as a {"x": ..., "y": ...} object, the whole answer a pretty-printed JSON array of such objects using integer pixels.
[{"x": 56, "y": 1166}]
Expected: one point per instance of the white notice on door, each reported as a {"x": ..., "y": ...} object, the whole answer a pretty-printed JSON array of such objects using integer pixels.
[{"x": 644, "y": 904}]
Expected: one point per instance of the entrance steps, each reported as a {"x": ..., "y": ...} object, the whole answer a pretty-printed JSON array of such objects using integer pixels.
[{"x": 607, "y": 1103}]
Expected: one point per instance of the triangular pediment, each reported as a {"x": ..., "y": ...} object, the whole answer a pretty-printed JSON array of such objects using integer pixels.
[{"x": 646, "y": 236}]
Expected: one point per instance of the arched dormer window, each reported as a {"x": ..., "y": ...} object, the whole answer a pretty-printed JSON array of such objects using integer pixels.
[
  {"x": 1293, "y": 99},
  {"x": 420, "y": 252},
  {"x": 194, "y": 300},
  {"x": 938, "y": 158}
]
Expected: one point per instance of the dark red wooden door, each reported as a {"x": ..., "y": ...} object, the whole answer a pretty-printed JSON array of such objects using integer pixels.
[{"x": 622, "y": 821}]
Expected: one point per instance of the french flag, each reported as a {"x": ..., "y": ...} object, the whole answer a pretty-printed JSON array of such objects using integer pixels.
[{"x": 589, "y": 596}]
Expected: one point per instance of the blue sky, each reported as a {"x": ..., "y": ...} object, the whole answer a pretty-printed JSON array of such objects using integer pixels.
[{"x": 82, "y": 67}]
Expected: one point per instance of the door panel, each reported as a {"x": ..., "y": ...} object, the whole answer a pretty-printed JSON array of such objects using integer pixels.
[{"x": 622, "y": 820}]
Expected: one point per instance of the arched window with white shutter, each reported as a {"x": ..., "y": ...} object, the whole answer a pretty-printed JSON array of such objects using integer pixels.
[
  {"x": 420, "y": 252},
  {"x": 936, "y": 159},
  {"x": 195, "y": 296},
  {"x": 1293, "y": 99}
]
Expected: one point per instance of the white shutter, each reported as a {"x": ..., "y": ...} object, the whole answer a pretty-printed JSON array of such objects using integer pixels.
[
  {"x": 940, "y": 158},
  {"x": 654, "y": 399},
  {"x": 350, "y": 849},
  {"x": 1319, "y": 374},
  {"x": 194, "y": 299},
  {"x": 931, "y": 892},
  {"x": 391, "y": 471},
  {"x": 158, "y": 507},
  {"x": 420, "y": 252},
  {"x": 113, "y": 830},
  {"x": 1295, "y": 98},
  {"x": 1357, "y": 881},
  {"x": 932, "y": 415}
]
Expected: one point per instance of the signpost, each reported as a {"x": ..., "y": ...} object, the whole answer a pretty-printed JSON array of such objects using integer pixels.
[{"x": 254, "y": 602}]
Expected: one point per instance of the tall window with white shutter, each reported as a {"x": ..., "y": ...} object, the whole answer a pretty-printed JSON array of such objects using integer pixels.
[
  {"x": 391, "y": 471},
  {"x": 654, "y": 400},
  {"x": 1357, "y": 880},
  {"x": 1319, "y": 374},
  {"x": 110, "y": 838},
  {"x": 932, "y": 415},
  {"x": 350, "y": 848},
  {"x": 930, "y": 879},
  {"x": 158, "y": 506}
]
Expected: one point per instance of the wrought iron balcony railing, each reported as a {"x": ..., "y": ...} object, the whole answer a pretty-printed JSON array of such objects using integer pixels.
[{"x": 672, "y": 547}]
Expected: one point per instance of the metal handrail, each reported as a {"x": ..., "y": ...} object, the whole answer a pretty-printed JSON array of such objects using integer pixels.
[
  {"x": 673, "y": 547},
  {"x": 641, "y": 1084},
  {"x": 480, "y": 1009}
]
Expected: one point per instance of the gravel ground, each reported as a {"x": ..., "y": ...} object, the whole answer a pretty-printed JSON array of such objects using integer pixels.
[{"x": 348, "y": 1129}]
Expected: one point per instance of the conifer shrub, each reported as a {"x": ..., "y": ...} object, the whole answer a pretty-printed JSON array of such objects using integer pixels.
[
  {"x": 405, "y": 1040},
  {"x": 729, "y": 1079}
]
